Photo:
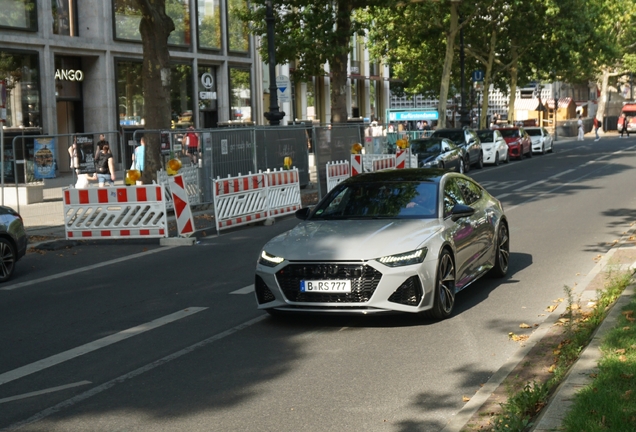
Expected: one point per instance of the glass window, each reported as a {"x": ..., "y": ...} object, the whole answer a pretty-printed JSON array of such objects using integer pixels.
[
  {"x": 181, "y": 94},
  {"x": 209, "y": 19},
  {"x": 20, "y": 14},
  {"x": 470, "y": 191},
  {"x": 452, "y": 196},
  {"x": 128, "y": 17},
  {"x": 130, "y": 97},
  {"x": 240, "y": 94},
  {"x": 64, "y": 17},
  {"x": 237, "y": 29},
  {"x": 21, "y": 73}
]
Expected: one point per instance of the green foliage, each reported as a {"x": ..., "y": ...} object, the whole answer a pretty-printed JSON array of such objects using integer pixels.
[
  {"x": 519, "y": 410},
  {"x": 237, "y": 28},
  {"x": 210, "y": 28}
]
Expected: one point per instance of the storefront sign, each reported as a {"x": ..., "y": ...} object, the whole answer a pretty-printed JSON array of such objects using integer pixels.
[
  {"x": 207, "y": 95},
  {"x": 69, "y": 75},
  {"x": 413, "y": 115}
]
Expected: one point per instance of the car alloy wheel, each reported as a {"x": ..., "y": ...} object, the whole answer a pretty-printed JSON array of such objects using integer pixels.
[
  {"x": 542, "y": 149},
  {"x": 7, "y": 260},
  {"x": 444, "y": 287},
  {"x": 502, "y": 253},
  {"x": 529, "y": 152},
  {"x": 480, "y": 162}
]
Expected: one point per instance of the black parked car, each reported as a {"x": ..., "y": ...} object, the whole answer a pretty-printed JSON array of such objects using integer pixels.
[
  {"x": 13, "y": 241},
  {"x": 468, "y": 140},
  {"x": 438, "y": 153}
]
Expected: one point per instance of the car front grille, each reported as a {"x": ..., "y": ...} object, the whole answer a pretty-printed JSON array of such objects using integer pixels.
[{"x": 364, "y": 280}]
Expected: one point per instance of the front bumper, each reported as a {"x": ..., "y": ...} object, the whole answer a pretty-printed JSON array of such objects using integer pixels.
[{"x": 514, "y": 150}]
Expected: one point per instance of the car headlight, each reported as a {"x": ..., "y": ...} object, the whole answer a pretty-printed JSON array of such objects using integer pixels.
[
  {"x": 404, "y": 259},
  {"x": 270, "y": 260},
  {"x": 430, "y": 164}
]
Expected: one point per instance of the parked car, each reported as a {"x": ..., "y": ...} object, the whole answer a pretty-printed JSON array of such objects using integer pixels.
[
  {"x": 438, "y": 153},
  {"x": 395, "y": 240},
  {"x": 629, "y": 109},
  {"x": 469, "y": 141},
  {"x": 541, "y": 139},
  {"x": 13, "y": 241},
  {"x": 518, "y": 142},
  {"x": 494, "y": 146}
]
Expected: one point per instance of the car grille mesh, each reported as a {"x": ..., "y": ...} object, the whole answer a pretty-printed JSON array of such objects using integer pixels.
[
  {"x": 409, "y": 293},
  {"x": 364, "y": 280},
  {"x": 263, "y": 293}
]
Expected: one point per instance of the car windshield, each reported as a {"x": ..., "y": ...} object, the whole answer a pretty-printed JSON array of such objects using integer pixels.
[
  {"x": 534, "y": 132},
  {"x": 426, "y": 146},
  {"x": 509, "y": 133},
  {"x": 455, "y": 136},
  {"x": 379, "y": 200},
  {"x": 485, "y": 135}
]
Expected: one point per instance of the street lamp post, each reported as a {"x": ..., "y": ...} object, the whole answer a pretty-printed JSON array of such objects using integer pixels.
[
  {"x": 274, "y": 115},
  {"x": 464, "y": 118}
]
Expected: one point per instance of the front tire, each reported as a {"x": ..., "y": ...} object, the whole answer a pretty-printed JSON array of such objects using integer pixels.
[
  {"x": 502, "y": 253},
  {"x": 7, "y": 260},
  {"x": 497, "y": 159},
  {"x": 480, "y": 161},
  {"x": 529, "y": 155},
  {"x": 444, "y": 300},
  {"x": 467, "y": 164}
]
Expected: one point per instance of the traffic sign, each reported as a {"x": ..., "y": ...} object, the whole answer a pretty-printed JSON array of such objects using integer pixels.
[
  {"x": 478, "y": 75},
  {"x": 284, "y": 88}
]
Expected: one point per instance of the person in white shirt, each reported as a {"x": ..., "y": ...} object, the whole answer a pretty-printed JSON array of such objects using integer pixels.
[{"x": 580, "y": 125}]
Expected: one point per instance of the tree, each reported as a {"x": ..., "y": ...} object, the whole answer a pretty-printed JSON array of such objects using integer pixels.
[
  {"x": 155, "y": 28},
  {"x": 311, "y": 34}
]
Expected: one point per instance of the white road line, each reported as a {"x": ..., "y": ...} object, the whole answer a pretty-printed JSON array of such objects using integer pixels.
[
  {"x": 245, "y": 290},
  {"x": 45, "y": 391},
  {"x": 95, "y": 345},
  {"x": 103, "y": 387},
  {"x": 83, "y": 269}
]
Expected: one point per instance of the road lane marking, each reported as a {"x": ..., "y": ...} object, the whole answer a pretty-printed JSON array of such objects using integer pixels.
[
  {"x": 245, "y": 290},
  {"x": 45, "y": 391},
  {"x": 103, "y": 387},
  {"x": 95, "y": 345},
  {"x": 83, "y": 269}
]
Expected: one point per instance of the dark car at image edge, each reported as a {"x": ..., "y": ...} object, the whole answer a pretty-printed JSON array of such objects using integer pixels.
[{"x": 13, "y": 241}]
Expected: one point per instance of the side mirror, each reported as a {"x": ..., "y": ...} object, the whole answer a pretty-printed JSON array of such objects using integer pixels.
[
  {"x": 461, "y": 211},
  {"x": 303, "y": 213}
]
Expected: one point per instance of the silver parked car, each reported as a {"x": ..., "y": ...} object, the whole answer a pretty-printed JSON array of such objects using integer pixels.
[
  {"x": 13, "y": 241},
  {"x": 394, "y": 240}
]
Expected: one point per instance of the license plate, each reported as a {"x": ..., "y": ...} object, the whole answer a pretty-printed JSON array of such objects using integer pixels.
[{"x": 336, "y": 286}]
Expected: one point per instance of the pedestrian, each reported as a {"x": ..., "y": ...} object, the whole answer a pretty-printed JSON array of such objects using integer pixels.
[
  {"x": 623, "y": 127},
  {"x": 139, "y": 155},
  {"x": 76, "y": 156},
  {"x": 580, "y": 126},
  {"x": 105, "y": 166},
  {"x": 597, "y": 126},
  {"x": 192, "y": 145},
  {"x": 83, "y": 180},
  {"x": 101, "y": 142}
]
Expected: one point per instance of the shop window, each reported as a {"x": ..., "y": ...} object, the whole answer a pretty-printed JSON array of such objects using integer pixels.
[
  {"x": 64, "y": 17},
  {"x": 130, "y": 97},
  {"x": 181, "y": 95},
  {"x": 128, "y": 17},
  {"x": 238, "y": 39},
  {"x": 209, "y": 20},
  {"x": 20, "y": 14},
  {"x": 20, "y": 71},
  {"x": 240, "y": 95}
]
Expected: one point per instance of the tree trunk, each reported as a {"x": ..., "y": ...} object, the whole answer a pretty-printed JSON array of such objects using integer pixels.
[
  {"x": 513, "y": 86},
  {"x": 155, "y": 27},
  {"x": 448, "y": 65},
  {"x": 487, "y": 80},
  {"x": 338, "y": 64},
  {"x": 602, "y": 103}
]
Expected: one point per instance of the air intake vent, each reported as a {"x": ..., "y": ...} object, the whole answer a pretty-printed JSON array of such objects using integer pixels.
[
  {"x": 263, "y": 294},
  {"x": 409, "y": 293}
]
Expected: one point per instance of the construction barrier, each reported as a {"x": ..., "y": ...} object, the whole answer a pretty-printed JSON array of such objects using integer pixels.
[
  {"x": 182, "y": 212},
  {"x": 356, "y": 165},
  {"x": 336, "y": 172},
  {"x": 115, "y": 212},
  {"x": 191, "y": 182},
  {"x": 384, "y": 163},
  {"x": 283, "y": 192},
  {"x": 240, "y": 200},
  {"x": 404, "y": 159}
]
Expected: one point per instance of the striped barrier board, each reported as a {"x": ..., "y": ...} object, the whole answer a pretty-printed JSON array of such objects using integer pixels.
[
  {"x": 182, "y": 212},
  {"x": 404, "y": 159},
  {"x": 240, "y": 200},
  {"x": 115, "y": 212},
  {"x": 283, "y": 192},
  {"x": 383, "y": 163},
  {"x": 191, "y": 183},
  {"x": 336, "y": 172},
  {"x": 356, "y": 165}
]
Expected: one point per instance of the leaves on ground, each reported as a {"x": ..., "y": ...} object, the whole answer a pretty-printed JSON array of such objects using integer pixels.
[{"x": 524, "y": 326}]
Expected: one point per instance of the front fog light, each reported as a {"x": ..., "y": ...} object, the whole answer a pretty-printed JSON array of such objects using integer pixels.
[
  {"x": 404, "y": 259},
  {"x": 269, "y": 259}
]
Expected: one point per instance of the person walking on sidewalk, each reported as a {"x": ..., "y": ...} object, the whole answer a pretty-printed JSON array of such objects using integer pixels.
[
  {"x": 580, "y": 125},
  {"x": 597, "y": 126},
  {"x": 139, "y": 155},
  {"x": 192, "y": 145},
  {"x": 623, "y": 126},
  {"x": 105, "y": 166}
]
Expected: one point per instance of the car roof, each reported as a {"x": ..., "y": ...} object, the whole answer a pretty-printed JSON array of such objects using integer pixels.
[
  {"x": 509, "y": 128},
  {"x": 408, "y": 174}
]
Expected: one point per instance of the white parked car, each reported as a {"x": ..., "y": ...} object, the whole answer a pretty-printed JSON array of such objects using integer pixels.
[
  {"x": 494, "y": 146},
  {"x": 541, "y": 139}
]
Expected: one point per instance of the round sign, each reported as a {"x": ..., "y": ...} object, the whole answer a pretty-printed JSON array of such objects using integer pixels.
[{"x": 207, "y": 80}]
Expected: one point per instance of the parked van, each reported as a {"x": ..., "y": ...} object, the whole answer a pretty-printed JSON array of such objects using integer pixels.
[{"x": 629, "y": 109}]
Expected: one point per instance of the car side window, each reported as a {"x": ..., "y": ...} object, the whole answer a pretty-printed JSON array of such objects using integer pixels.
[
  {"x": 471, "y": 192},
  {"x": 452, "y": 196},
  {"x": 445, "y": 146}
]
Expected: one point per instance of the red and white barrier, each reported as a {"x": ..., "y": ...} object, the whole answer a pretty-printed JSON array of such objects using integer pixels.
[
  {"x": 356, "y": 165},
  {"x": 384, "y": 163},
  {"x": 283, "y": 192},
  {"x": 240, "y": 200},
  {"x": 182, "y": 212},
  {"x": 404, "y": 159},
  {"x": 115, "y": 212},
  {"x": 336, "y": 172}
]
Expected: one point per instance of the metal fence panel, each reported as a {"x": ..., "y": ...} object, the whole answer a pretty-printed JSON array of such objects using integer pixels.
[
  {"x": 276, "y": 143},
  {"x": 333, "y": 143}
]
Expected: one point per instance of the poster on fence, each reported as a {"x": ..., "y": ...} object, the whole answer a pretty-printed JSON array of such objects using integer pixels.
[
  {"x": 44, "y": 158},
  {"x": 85, "y": 154}
]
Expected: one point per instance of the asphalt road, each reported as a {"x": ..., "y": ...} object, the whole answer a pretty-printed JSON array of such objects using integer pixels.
[{"x": 130, "y": 336}]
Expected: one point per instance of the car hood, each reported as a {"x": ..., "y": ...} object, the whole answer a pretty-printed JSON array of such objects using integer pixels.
[
  {"x": 352, "y": 239},
  {"x": 535, "y": 139},
  {"x": 427, "y": 157},
  {"x": 511, "y": 140}
]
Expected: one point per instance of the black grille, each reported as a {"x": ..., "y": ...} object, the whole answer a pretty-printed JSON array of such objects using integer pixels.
[
  {"x": 364, "y": 281},
  {"x": 263, "y": 293},
  {"x": 409, "y": 293}
]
